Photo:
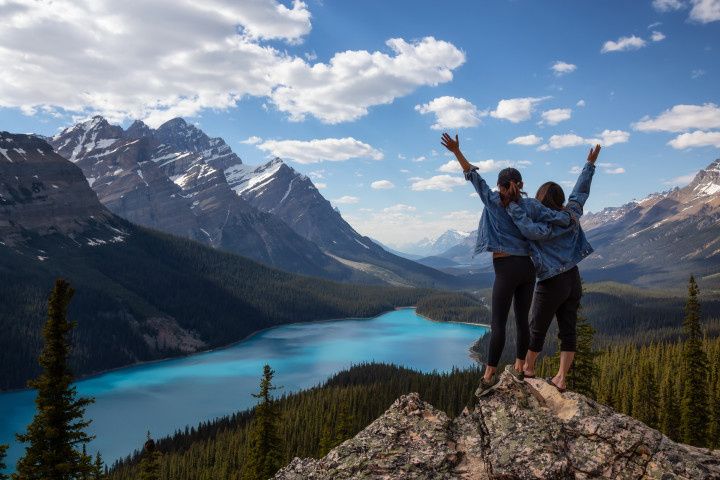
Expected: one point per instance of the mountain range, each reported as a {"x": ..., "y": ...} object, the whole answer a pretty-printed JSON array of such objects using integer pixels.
[
  {"x": 179, "y": 180},
  {"x": 656, "y": 241}
]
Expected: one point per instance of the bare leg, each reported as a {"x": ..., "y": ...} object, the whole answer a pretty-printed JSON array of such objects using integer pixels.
[
  {"x": 489, "y": 372},
  {"x": 530, "y": 359},
  {"x": 566, "y": 359}
]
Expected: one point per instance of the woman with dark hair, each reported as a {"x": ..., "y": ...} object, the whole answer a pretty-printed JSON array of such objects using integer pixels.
[
  {"x": 556, "y": 250},
  {"x": 514, "y": 271}
]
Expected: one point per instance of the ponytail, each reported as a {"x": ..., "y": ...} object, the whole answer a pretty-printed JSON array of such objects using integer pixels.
[{"x": 511, "y": 194}]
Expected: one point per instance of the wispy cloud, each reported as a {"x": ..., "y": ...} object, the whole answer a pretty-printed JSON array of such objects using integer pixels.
[
  {"x": 623, "y": 44},
  {"x": 563, "y": 68},
  {"x": 320, "y": 150}
]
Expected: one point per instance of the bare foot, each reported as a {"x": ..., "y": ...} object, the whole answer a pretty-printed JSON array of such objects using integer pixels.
[{"x": 559, "y": 382}]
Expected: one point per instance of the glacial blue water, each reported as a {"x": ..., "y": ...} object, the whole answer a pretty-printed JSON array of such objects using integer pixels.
[{"x": 162, "y": 397}]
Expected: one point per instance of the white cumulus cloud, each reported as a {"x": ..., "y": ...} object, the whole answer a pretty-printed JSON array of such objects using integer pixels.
[
  {"x": 346, "y": 199},
  {"x": 562, "y": 68},
  {"x": 320, "y": 150},
  {"x": 702, "y": 11},
  {"x": 382, "y": 184},
  {"x": 567, "y": 140},
  {"x": 695, "y": 139},
  {"x": 444, "y": 183},
  {"x": 556, "y": 115},
  {"x": 154, "y": 61},
  {"x": 681, "y": 118},
  {"x": 526, "y": 140},
  {"x": 252, "y": 140},
  {"x": 705, "y": 11},
  {"x": 667, "y": 5},
  {"x": 657, "y": 36},
  {"x": 623, "y": 43},
  {"x": 516, "y": 109},
  {"x": 451, "y": 112}
]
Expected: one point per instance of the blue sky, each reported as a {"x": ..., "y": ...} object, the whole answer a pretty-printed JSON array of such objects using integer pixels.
[{"x": 276, "y": 71}]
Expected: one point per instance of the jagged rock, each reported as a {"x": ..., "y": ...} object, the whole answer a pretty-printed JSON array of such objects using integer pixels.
[{"x": 522, "y": 430}]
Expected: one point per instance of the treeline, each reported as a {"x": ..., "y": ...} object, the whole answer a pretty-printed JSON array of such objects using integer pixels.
[
  {"x": 310, "y": 422},
  {"x": 453, "y": 307},
  {"x": 211, "y": 297},
  {"x": 621, "y": 314}
]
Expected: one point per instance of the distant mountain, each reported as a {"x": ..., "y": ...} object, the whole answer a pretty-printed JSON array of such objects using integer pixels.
[
  {"x": 433, "y": 246},
  {"x": 277, "y": 188},
  {"x": 659, "y": 240},
  {"x": 662, "y": 238},
  {"x": 140, "y": 294},
  {"x": 172, "y": 179},
  {"x": 409, "y": 256}
]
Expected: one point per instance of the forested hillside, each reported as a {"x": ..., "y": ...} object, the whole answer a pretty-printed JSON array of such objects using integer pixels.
[{"x": 156, "y": 296}]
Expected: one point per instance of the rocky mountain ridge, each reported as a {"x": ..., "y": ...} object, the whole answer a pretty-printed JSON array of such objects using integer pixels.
[
  {"x": 42, "y": 194},
  {"x": 172, "y": 179},
  {"x": 179, "y": 180},
  {"x": 662, "y": 237},
  {"x": 521, "y": 430}
]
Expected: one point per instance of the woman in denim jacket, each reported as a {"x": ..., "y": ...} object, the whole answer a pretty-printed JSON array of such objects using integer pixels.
[
  {"x": 514, "y": 271},
  {"x": 556, "y": 251}
]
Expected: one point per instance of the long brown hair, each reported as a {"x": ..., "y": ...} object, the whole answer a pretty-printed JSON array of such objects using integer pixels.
[
  {"x": 510, "y": 186},
  {"x": 551, "y": 195}
]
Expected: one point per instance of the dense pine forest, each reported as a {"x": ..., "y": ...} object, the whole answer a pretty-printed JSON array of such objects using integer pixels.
[{"x": 453, "y": 307}]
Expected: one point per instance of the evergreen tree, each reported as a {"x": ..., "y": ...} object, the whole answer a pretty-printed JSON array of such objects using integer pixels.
[
  {"x": 645, "y": 394},
  {"x": 98, "y": 468},
  {"x": 58, "y": 427},
  {"x": 150, "y": 463},
  {"x": 264, "y": 453},
  {"x": 694, "y": 411},
  {"x": 3, "y": 452},
  {"x": 669, "y": 413},
  {"x": 584, "y": 372}
]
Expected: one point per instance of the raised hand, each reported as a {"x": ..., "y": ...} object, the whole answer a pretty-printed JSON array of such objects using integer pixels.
[
  {"x": 593, "y": 155},
  {"x": 448, "y": 142}
]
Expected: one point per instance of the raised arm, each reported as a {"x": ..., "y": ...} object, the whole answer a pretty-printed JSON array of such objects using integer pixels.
[
  {"x": 481, "y": 187},
  {"x": 581, "y": 192}
]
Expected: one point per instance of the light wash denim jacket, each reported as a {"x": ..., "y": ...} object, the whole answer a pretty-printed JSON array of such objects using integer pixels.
[
  {"x": 496, "y": 231},
  {"x": 556, "y": 249}
]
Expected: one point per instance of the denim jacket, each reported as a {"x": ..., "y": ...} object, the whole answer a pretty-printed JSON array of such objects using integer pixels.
[
  {"x": 496, "y": 231},
  {"x": 555, "y": 249}
]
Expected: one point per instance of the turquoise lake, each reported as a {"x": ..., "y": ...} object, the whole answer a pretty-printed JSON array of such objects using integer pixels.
[{"x": 165, "y": 396}]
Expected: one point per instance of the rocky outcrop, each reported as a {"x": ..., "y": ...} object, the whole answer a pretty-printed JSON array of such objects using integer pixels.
[{"x": 521, "y": 430}]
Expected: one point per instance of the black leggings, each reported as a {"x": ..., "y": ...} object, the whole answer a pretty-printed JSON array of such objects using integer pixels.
[
  {"x": 557, "y": 296},
  {"x": 514, "y": 278}
]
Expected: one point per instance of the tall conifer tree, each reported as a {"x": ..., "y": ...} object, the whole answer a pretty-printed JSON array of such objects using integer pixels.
[
  {"x": 3, "y": 452},
  {"x": 694, "y": 411},
  {"x": 264, "y": 453},
  {"x": 58, "y": 428},
  {"x": 584, "y": 372},
  {"x": 645, "y": 395},
  {"x": 669, "y": 413},
  {"x": 150, "y": 463}
]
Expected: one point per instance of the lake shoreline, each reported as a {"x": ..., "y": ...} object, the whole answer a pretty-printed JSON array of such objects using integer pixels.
[{"x": 250, "y": 335}]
